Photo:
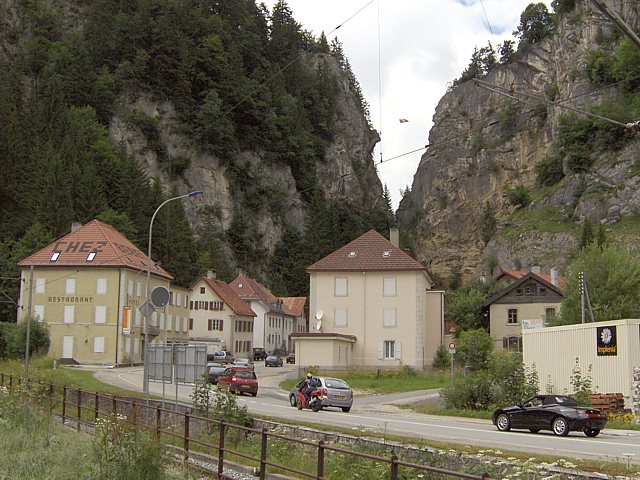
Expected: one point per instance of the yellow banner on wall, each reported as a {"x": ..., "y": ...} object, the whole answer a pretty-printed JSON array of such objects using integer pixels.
[{"x": 126, "y": 320}]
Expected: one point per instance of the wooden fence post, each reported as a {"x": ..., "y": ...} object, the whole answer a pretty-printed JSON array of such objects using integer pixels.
[
  {"x": 79, "y": 407},
  {"x": 52, "y": 400},
  {"x": 96, "y": 408},
  {"x": 2, "y": 379},
  {"x": 114, "y": 405},
  {"x": 64, "y": 403},
  {"x": 134, "y": 413},
  {"x": 221, "y": 450},
  {"x": 320, "y": 469},
  {"x": 263, "y": 455},
  {"x": 158, "y": 422},
  {"x": 394, "y": 467},
  {"x": 186, "y": 436}
]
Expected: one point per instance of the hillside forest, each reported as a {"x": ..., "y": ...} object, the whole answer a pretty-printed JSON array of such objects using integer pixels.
[{"x": 239, "y": 78}]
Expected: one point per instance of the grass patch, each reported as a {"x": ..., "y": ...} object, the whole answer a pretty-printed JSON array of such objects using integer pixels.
[
  {"x": 431, "y": 409},
  {"x": 405, "y": 380}
]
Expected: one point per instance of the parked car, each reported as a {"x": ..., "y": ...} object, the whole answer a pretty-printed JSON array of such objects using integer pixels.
[
  {"x": 223, "y": 356},
  {"x": 335, "y": 393},
  {"x": 243, "y": 363},
  {"x": 558, "y": 413},
  {"x": 259, "y": 354},
  {"x": 291, "y": 358},
  {"x": 238, "y": 380},
  {"x": 273, "y": 361},
  {"x": 214, "y": 373}
]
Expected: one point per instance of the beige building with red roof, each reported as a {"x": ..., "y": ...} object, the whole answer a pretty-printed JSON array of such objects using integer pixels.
[
  {"x": 276, "y": 318},
  {"x": 373, "y": 307},
  {"x": 88, "y": 287},
  {"x": 220, "y": 318}
]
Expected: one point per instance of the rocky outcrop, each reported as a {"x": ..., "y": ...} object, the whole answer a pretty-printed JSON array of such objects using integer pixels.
[{"x": 483, "y": 144}]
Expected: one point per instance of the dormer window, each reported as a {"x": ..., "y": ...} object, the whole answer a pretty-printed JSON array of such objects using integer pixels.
[
  {"x": 239, "y": 285},
  {"x": 54, "y": 256},
  {"x": 91, "y": 256},
  {"x": 386, "y": 254},
  {"x": 352, "y": 255}
]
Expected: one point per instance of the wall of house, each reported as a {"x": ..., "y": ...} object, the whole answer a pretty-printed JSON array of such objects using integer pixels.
[
  {"x": 324, "y": 353},
  {"x": 201, "y": 317},
  {"x": 498, "y": 319},
  {"x": 434, "y": 324},
  {"x": 553, "y": 352},
  {"x": 259, "y": 323},
  {"x": 365, "y": 305}
]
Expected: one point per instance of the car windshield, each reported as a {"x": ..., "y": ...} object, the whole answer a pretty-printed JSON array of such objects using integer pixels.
[
  {"x": 245, "y": 375},
  {"x": 216, "y": 370},
  {"x": 335, "y": 383},
  {"x": 271, "y": 357}
]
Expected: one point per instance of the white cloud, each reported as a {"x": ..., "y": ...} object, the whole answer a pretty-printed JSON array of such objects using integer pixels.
[{"x": 423, "y": 45}]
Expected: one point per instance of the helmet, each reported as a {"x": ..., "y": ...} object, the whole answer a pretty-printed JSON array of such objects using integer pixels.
[{"x": 309, "y": 375}]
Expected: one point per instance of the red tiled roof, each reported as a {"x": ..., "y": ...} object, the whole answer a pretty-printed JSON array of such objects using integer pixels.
[
  {"x": 228, "y": 296},
  {"x": 294, "y": 305},
  {"x": 249, "y": 289},
  {"x": 369, "y": 252},
  {"x": 518, "y": 274},
  {"x": 112, "y": 249}
]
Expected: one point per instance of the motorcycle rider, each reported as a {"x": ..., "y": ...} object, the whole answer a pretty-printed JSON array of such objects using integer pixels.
[{"x": 308, "y": 385}]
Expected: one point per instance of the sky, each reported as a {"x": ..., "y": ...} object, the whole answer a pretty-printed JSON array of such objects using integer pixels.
[{"x": 422, "y": 45}]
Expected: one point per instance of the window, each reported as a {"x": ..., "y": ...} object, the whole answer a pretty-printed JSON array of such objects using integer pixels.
[
  {"x": 98, "y": 345},
  {"x": 340, "y": 317},
  {"x": 40, "y": 285},
  {"x": 512, "y": 315},
  {"x": 91, "y": 256},
  {"x": 542, "y": 291},
  {"x": 101, "y": 314},
  {"x": 162, "y": 321},
  {"x": 169, "y": 320},
  {"x": 389, "y": 317},
  {"x": 136, "y": 345},
  {"x": 70, "y": 286},
  {"x": 130, "y": 288},
  {"x": 68, "y": 313},
  {"x": 38, "y": 312},
  {"x": 215, "y": 325},
  {"x": 389, "y": 288},
  {"x": 191, "y": 324},
  {"x": 341, "y": 287},
  {"x": 390, "y": 349},
  {"x": 127, "y": 346},
  {"x": 202, "y": 290},
  {"x": 101, "y": 286},
  {"x": 177, "y": 323},
  {"x": 170, "y": 298},
  {"x": 529, "y": 289},
  {"x": 549, "y": 314},
  {"x": 184, "y": 324},
  {"x": 54, "y": 256},
  {"x": 513, "y": 343},
  {"x": 518, "y": 291},
  {"x": 178, "y": 300},
  {"x": 138, "y": 289}
]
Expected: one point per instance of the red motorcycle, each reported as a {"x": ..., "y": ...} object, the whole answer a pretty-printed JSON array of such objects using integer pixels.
[{"x": 315, "y": 400}]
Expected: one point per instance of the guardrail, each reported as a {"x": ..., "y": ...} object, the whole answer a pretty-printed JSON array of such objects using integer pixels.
[{"x": 203, "y": 435}]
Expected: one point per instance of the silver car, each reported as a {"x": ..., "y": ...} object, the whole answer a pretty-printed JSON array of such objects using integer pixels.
[{"x": 335, "y": 393}]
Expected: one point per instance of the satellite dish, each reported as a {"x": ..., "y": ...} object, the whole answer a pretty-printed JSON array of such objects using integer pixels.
[
  {"x": 319, "y": 315},
  {"x": 318, "y": 324}
]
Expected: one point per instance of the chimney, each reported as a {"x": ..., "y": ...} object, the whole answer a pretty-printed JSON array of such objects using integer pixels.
[
  {"x": 535, "y": 269},
  {"x": 554, "y": 277},
  {"x": 75, "y": 226},
  {"x": 394, "y": 236},
  {"x": 211, "y": 274}
]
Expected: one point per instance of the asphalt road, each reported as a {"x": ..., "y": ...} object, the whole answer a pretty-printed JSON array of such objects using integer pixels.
[{"x": 379, "y": 413}]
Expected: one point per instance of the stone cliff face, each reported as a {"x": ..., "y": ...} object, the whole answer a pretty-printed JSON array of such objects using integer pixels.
[
  {"x": 484, "y": 144},
  {"x": 346, "y": 173}
]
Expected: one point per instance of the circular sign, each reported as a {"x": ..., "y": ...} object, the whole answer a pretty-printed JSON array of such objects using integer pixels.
[
  {"x": 160, "y": 297},
  {"x": 452, "y": 346}
]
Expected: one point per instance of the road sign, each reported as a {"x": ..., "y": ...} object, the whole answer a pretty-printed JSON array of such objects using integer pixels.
[
  {"x": 147, "y": 309},
  {"x": 452, "y": 347}
]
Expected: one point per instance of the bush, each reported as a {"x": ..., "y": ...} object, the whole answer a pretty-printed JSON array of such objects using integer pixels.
[
  {"x": 473, "y": 392},
  {"x": 13, "y": 339},
  {"x": 519, "y": 196},
  {"x": 549, "y": 171},
  {"x": 441, "y": 359}
]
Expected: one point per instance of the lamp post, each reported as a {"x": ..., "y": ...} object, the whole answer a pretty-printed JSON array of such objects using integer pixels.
[{"x": 145, "y": 375}]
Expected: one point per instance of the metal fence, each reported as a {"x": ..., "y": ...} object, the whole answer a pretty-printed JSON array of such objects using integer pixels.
[{"x": 225, "y": 443}]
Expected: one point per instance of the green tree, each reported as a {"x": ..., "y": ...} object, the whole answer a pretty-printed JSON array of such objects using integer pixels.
[
  {"x": 506, "y": 51},
  {"x": 488, "y": 222},
  {"x": 563, "y": 6},
  {"x": 612, "y": 276},
  {"x": 465, "y": 308},
  {"x": 535, "y": 23},
  {"x": 474, "y": 348},
  {"x": 16, "y": 338},
  {"x": 442, "y": 358},
  {"x": 587, "y": 236}
]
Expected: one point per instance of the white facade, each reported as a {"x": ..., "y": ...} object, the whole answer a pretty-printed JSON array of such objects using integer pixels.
[{"x": 612, "y": 349}]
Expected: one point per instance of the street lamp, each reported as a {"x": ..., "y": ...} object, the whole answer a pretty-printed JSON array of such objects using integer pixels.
[{"x": 145, "y": 375}]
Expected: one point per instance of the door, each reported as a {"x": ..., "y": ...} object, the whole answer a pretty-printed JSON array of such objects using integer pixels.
[{"x": 67, "y": 347}]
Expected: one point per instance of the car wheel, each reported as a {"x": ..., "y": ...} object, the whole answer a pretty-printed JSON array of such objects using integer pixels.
[
  {"x": 591, "y": 432},
  {"x": 299, "y": 404},
  {"x": 503, "y": 423},
  {"x": 346, "y": 409},
  {"x": 534, "y": 430},
  {"x": 292, "y": 400},
  {"x": 254, "y": 394},
  {"x": 560, "y": 427}
]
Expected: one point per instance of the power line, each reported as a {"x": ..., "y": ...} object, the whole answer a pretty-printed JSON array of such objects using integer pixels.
[
  {"x": 380, "y": 77},
  {"x": 488, "y": 22}
]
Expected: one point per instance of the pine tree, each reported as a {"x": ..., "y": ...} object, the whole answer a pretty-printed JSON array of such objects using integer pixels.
[{"x": 587, "y": 237}]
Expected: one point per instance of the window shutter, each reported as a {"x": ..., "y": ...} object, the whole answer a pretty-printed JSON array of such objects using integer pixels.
[
  {"x": 505, "y": 343},
  {"x": 221, "y": 325},
  {"x": 380, "y": 350},
  {"x": 397, "y": 350}
]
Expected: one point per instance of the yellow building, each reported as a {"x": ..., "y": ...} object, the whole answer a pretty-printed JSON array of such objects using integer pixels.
[
  {"x": 88, "y": 286},
  {"x": 371, "y": 306}
]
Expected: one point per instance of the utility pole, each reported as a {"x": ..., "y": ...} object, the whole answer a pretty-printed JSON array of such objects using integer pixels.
[
  {"x": 581, "y": 277},
  {"x": 26, "y": 353}
]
